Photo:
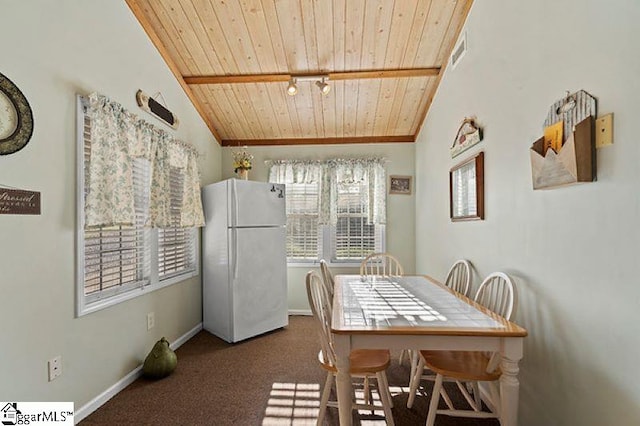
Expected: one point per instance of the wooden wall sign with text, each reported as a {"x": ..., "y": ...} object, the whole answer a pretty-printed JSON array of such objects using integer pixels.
[{"x": 17, "y": 201}]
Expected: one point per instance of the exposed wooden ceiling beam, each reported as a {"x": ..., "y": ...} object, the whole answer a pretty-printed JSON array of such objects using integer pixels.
[
  {"x": 410, "y": 72},
  {"x": 245, "y": 78},
  {"x": 318, "y": 141},
  {"x": 343, "y": 75}
]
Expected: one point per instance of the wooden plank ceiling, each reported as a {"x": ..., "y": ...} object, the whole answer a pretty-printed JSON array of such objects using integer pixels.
[{"x": 234, "y": 59}]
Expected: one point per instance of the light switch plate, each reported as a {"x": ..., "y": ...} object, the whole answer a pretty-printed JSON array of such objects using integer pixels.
[{"x": 604, "y": 130}]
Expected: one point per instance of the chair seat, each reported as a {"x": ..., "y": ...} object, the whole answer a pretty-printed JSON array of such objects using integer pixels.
[
  {"x": 460, "y": 365},
  {"x": 362, "y": 361}
]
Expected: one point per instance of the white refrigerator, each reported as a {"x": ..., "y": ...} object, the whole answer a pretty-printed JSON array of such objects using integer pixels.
[{"x": 244, "y": 259}]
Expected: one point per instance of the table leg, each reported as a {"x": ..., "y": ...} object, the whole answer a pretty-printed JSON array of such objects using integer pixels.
[
  {"x": 343, "y": 379},
  {"x": 509, "y": 384}
]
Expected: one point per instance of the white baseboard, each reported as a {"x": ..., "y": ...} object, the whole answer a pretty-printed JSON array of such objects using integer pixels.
[
  {"x": 112, "y": 391},
  {"x": 300, "y": 312},
  {"x": 186, "y": 336}
]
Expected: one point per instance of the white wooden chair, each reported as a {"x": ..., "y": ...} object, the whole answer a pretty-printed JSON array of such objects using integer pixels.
[
  {"x": 381, "y": 264},
  {"x": 459, "y": 277},
  {"x": 327, "y": 277},
  {"x": 387, "y": 265},
  {"x": 496, "y": 293},
  {"x": 365, "y": 363}
]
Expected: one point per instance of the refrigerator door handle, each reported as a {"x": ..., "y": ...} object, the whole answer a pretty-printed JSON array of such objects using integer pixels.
[
  {"x": 235, "y": 207},
  {"x": 234, "y": 231}
]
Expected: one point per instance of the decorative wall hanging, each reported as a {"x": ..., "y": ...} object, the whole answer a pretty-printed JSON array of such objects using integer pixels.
[
  {"x": 469, "y": 134},
  {"x": 565, "y": 154},
  {"x": 400, "y": 185},
  {"x": 19, "y": 201},
  {"x": 156, "y": 109},
  {"x": 466, "y": 189},
  {"x": 16, "y": 118}
]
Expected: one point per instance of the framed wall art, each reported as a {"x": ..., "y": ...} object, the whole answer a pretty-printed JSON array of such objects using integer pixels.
[
  {"x": 466, "y": 189},
  {"x": 400, "y": 185},
  {"x": 16, "y": 118}
]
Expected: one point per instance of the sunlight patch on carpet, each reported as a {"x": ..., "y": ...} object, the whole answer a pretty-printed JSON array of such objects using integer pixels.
[{"x": 292, "y": 404}]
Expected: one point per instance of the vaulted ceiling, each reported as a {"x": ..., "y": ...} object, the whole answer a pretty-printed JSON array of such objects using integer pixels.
[{"x": 234, "y": 58}]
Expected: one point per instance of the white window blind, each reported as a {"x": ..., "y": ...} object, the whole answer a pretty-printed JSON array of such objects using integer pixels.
[
  {"x": 353, "y": 238},
  {"x": 303, "y": 232},
  {"x": 176, "y": 250}
]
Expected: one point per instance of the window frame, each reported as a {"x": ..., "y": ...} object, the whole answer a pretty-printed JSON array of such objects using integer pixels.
[
  {"x": 111, "y": 297},
  {"x": 303, "y": 262},
  {"x": 326, "y": 239},
  {"x": 362, "y": 215}
]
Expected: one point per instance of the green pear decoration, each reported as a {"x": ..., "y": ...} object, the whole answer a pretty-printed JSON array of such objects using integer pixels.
[{"x": 161, "y": 361}]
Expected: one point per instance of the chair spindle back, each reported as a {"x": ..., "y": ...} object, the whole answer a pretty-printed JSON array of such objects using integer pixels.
[
  {"x": 327, "y": 277},
  {"x": 497, "y": 293},
  {"x": 383, "y": 264},
  {"x": 459, "y": 277},
  {"x": 320, "y": 304}
]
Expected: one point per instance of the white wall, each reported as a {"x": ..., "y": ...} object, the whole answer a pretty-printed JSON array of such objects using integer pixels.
[
  {"x": 573, "y": 250},
  {"x": 51, "y": 51},
  {"x": 400, "y": 208}
]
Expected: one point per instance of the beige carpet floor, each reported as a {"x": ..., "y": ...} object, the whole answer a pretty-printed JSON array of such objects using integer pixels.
[{"x": 273, "y": 379}]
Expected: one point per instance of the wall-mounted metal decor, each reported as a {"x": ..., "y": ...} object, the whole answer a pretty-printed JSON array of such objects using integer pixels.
[
  {"x": 16, "y": 118},
  {"x": 156, "y": 109},
  {"x": 566, "y": 153},
  {"x": 18, "y": 201},
  {"x": 469, "y": 134}
]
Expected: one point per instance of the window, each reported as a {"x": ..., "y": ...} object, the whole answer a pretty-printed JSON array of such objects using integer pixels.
[
  {"x": 176, "y": 245},
  {"x": 115, "y": 259},
  {"x": 117, "y": 263},
  {"x": 353, "y": 237},
  {"x": 303, "y": 231},
  {"x": 336, "y": 224}
]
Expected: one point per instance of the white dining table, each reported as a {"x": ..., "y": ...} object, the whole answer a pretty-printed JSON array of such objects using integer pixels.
[{"x": 418, "y": 312}]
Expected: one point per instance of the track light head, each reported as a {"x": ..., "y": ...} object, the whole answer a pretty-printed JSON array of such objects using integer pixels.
[
  {"x": 292, "y": 89},
  {"x": 323, "y": 86}
]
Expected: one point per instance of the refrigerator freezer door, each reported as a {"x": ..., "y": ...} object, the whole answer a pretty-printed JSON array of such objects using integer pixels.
[
  {"x": 256, "y": 204},
  {"x": 259, "y": 280}
]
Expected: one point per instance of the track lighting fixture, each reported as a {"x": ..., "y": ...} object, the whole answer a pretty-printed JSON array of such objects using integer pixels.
[
  {"x": 323, "y": 86},
  {"x": 292, "y": 89}
]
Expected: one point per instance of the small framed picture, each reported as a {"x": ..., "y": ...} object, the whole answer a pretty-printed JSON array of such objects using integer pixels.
[{"x": 400, "y": 185}]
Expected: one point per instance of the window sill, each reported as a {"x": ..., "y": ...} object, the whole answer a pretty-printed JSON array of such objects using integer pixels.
[
  {"x": 317, "y": 265},
  {"x": 100, "y": 304}
]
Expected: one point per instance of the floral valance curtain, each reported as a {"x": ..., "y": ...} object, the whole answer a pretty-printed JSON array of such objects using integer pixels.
[
  {"x": 118, "y": 138},
  {"x": 369, "y": 172},
  {"x": 295, "y": 171},
  {"x": 333, "y": 173}
]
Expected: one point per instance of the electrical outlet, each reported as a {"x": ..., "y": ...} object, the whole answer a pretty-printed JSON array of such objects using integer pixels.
[
  {"x": 151, "y": 320},
  {"x": 55, "y": 367}
]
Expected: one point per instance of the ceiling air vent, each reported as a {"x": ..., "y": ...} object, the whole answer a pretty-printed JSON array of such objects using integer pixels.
[{"x": 459, "y": 50}]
